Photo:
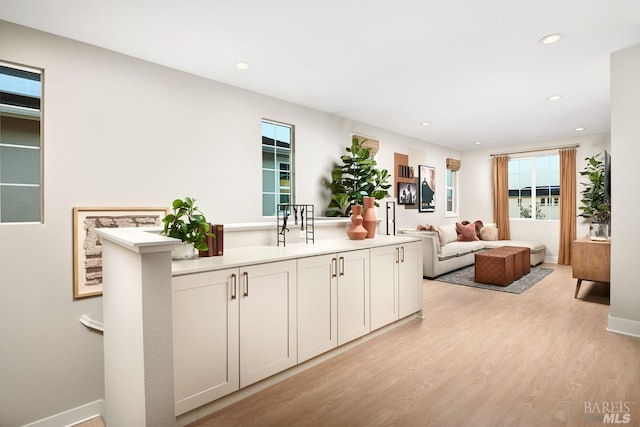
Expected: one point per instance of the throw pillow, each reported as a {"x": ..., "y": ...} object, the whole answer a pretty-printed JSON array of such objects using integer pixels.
[
  {"x": 466, "y": 233},
  {"x": 489, "y": 233},
  {"x": 447, "y": 233},
  {"x": 479, "y": 226},
  {"x": 426, "y": 228}
]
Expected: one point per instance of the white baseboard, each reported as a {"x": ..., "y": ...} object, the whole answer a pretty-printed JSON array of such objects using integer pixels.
[
  {"x": 72, "y": 416},
  {"x": 624, "y": 326}
]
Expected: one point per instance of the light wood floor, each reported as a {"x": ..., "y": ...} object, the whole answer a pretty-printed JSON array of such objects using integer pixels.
[
  {"x": 479, "y": 358},
  {"x": 93, "y": 422}
]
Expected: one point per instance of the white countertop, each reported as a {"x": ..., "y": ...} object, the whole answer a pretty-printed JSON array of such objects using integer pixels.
[
  {"x": 148, "y": 240},
  {"x": 238, "y": 257}
]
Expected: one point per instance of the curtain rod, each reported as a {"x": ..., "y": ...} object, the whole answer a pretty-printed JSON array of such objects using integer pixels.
[{"x": 536, "y": 150}]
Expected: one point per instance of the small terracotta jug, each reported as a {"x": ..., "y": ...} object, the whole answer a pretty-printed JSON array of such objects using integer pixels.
[{"x": 357, "y": 231}]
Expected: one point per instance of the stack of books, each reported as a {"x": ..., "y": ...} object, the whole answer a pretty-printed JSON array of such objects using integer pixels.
[{"x": 215, "y": 241}]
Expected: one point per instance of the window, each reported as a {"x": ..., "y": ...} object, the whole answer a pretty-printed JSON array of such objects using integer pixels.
[
  {"x": 451, "y": 208},
  {"x": 452, "y": 185},
  {"x": 20, "y": 144},
  {"x": 277, "y": 170},
  {"x": 534, "y": 187}
]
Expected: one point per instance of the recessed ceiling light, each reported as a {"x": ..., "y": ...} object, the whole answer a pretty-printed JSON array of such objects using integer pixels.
[
  {"x": 241, "y": 65},
  {"x": 426, "y": 123},
  {"x": 478, "y": 142},
  {"x": 551, "y": 38},
  {"x": 580, "y": 129},
  {"x": 554, "y": 97}
]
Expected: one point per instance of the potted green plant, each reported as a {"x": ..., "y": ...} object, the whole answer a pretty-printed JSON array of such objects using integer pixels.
[
  {"x": 187, "y": 223},
  {"x": 356, "y": 178},
  {"x": 595, "y": 206}
]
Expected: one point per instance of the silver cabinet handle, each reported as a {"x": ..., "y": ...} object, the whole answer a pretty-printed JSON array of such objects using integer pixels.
[
  {"x": 334, "y": 267},
  {"x": 397, "y": 255},
  {"x": 246, "y": 283},
  {"x": 402, "y": 251},
  {"x": 342, "y": 266},
  {"x": 234, "y": 286}
]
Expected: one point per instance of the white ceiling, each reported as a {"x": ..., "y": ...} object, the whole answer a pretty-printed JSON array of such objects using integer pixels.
[{"x": 474, "y": 69}]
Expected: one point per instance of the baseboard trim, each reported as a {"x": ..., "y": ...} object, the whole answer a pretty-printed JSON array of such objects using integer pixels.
[
  {"x": 73, "y": 416},
  {"x": 624, "y": 326}
]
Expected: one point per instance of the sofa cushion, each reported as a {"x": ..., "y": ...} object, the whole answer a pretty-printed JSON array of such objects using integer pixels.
[
  {"x": 447, "y": 252},
  {"x": 466, "y": 233},
  {"x": 447, "y": 233},
  {"x": 455, "y": 249}
]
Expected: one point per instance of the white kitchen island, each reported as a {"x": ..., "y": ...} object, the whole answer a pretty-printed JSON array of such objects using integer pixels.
[{"x": 185, "y": 338}]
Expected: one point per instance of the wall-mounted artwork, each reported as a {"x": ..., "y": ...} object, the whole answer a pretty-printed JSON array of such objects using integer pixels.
[
  {"x": 403, "y": 172},
  {"x": 87, "y": 247},
  {"x": 407, "y": 193},
  {"x": 427, "y": 188}
]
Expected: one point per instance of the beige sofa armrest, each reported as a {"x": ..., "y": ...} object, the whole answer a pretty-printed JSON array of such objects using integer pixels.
[{"x": 430, "y": 248}]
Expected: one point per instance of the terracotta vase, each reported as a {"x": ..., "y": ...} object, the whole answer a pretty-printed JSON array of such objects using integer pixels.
[
  {"x": 370, "y": 222},
  {"x": 357, "y": 231}
]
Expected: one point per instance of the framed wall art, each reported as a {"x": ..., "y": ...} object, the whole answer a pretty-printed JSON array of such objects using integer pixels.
[
  {"x": 407, "y": 193},
  {"x": 87, "y": 247},
  {"x": 427, "y": 188}
]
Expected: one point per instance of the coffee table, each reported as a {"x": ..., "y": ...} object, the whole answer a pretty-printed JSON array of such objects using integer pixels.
[{"x": 494, "y": 267}]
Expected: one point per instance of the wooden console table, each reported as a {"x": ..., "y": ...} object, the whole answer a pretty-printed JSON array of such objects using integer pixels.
[{"x": 591, "y": 260}]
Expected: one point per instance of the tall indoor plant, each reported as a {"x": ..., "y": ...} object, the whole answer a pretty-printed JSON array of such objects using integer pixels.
[
  {"x": 187, "y": 223},
  {"x": 357, "y": 177},
  {"x": 595, "y": 205}
]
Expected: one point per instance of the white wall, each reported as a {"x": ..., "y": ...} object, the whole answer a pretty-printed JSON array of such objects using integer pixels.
[
  {"x": 476, "y": 183},
  {"x": 625, "y": 152},
  {"x": 434, "y": 156},
  {"x": 121, "y": 132}
]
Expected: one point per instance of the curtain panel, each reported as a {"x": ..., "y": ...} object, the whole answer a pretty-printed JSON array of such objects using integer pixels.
[
  {"x": 568, "y": 204},
  {"x": 501, "y": 196}
]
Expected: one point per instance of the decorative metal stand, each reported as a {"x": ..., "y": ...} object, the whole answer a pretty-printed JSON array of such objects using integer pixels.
[
  {"x": 391, "y": 206},
  {"x": 303, "y": 221}
]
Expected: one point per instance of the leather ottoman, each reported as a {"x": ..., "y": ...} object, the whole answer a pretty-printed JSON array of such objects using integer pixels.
[
  {"x": 494, "y": 267},
  {"x": 521, "y": 264}
]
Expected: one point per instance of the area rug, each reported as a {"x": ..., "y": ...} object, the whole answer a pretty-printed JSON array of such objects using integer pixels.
[{"x": 465, "y": 276}]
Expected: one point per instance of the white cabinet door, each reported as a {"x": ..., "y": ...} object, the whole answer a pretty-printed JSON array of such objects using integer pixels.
[
  {"x": 384, "y": 285},
  {"x": 410, "y": 278},
  {"x": 268, "y": 335},
  {"x": 205, "y": 337},
  {"x": 317, "y": 305},
  {"x": 353, "y": 295}
]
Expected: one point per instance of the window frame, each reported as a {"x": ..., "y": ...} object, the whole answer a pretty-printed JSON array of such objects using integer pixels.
[
  {"x": 25, "y": 106},
  {"x": 276, "y": 170},
  {"x": 453, "y": 213},
  {"x": 537, "y": 201}
]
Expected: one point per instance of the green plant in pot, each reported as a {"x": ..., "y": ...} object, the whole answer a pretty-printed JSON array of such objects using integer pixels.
[
  {"x": 595, "y": 206},
  {"x": 187, "y": 223},
  {"x": 357, "y": 177}
]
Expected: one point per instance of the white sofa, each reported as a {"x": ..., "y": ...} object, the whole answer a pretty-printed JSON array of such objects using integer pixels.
[{"x": 439, "y": 259}]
